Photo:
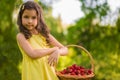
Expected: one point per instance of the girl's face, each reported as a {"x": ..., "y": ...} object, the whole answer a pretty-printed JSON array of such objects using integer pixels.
[{"x": 29, "y": 19}]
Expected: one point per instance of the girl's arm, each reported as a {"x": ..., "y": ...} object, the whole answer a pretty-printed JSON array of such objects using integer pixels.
[
  {"x": 33, "y": 53},
  {"x": 62, "y": 49},
  {"x": 53, "y": 58}
]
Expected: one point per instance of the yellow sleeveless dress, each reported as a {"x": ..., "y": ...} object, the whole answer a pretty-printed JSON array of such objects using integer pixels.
[{"x": 37, "y": 69}]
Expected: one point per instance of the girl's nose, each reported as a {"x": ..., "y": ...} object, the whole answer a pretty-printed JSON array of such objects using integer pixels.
[{"x": 30, "y": 20}]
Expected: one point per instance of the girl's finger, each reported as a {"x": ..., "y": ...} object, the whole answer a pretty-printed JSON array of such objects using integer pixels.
[{"x": 50, "y": 61}]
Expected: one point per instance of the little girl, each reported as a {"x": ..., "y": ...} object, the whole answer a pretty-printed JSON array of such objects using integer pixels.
[{"x": 39, "y": 48}]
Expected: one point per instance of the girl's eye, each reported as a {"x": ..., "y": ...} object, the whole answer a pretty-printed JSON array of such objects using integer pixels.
[
  {"x": 25, "y": 16},
  {"x": 34, "y": 17}
]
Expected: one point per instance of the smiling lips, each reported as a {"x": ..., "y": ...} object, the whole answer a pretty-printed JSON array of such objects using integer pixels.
[{"x": 29, "y": 26}]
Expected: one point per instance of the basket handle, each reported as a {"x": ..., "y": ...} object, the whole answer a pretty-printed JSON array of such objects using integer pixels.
[{"x": 91, "y": 58}]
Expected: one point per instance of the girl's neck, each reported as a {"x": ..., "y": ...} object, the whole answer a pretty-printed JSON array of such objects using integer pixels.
[{"x": 34, "y": 32}]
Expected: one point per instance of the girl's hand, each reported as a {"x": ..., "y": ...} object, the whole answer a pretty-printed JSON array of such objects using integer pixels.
[{"x": 53, "y": 58}]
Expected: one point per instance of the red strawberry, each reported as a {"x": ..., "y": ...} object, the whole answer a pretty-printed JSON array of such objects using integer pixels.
[{"x": 89, "y": 71}]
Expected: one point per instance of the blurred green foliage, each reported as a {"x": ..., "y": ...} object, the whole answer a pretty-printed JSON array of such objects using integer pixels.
[
  {"x": 9, "y": 52},
  {"x": 102, "y": 41}
]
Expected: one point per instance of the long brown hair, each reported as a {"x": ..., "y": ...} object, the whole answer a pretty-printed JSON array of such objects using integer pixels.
[{"x": 41, "y": 26}]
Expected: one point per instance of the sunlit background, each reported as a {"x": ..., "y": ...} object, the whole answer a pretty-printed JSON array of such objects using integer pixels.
[
  {"x": 72, "y": 11},
  {"x": 93, "y": 24}
]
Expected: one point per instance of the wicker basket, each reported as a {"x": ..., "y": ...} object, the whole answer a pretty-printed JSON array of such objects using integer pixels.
[{"x": 75, "y": 77}]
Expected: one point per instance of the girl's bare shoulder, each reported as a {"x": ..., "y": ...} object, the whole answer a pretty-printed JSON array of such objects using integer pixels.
[{"x": 20, "y": 36}]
